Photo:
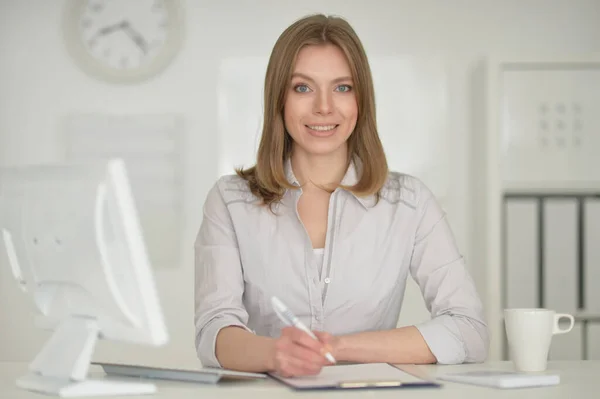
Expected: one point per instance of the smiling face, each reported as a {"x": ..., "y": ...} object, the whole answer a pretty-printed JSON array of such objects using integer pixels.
[{"x": 320, "y": 109}]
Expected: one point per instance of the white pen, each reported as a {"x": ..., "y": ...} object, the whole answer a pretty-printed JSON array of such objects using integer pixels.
[{"x": 291, "y": 320}]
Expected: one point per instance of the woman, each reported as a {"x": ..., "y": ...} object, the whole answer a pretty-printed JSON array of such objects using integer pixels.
[{"x": 322, "y": 224}]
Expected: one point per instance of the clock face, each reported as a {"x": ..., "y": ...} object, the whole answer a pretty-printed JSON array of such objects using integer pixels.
[{"x": 123, "y": 39}]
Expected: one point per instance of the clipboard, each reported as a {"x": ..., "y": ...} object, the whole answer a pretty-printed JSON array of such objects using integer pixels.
[{"x": 360, "y": 376}]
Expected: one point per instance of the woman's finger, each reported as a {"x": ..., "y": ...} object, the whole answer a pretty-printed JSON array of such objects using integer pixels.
[
  {"x": 289, "y": 365},
  {"x": 303, "y": 339},
  {"x": 307, "y": 355},
  {"x": 326, "y": 340}
]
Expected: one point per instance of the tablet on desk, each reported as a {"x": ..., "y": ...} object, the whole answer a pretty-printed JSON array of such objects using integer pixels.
[
  {"x": 203, "y": 375},
  {"x": 502, "y": 379}
]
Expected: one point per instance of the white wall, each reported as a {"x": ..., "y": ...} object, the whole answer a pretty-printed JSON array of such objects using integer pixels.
[{"x": 39, "y": 84}]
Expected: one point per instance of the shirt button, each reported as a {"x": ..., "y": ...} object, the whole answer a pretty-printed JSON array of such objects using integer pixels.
[{"x": 327, "y": 280}]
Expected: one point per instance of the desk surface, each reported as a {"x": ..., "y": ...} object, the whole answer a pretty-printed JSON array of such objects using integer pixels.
[{"x": 579, "y": 379}]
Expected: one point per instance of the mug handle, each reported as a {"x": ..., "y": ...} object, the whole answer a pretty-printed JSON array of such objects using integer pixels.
[{"x": 557, "y": 329}]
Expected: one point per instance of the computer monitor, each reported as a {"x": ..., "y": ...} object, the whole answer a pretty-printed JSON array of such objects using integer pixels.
[{"x": 75, "y": 246}]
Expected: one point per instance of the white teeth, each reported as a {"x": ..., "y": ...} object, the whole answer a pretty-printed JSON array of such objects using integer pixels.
[{"x": 322, "y": 128}]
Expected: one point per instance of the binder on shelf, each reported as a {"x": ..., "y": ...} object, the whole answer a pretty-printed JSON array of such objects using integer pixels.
[
  {"x": 521, "y": 256},
  {"x": 591, "y": 255},
  {"x": 560, "y": 272},
  {"x": 593, "y": 341}
]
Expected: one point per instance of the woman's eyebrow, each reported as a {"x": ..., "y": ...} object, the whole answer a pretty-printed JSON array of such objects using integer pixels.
[{"x": 306, "y": 77}]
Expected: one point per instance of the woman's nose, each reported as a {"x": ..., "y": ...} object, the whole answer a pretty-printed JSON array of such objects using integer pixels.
[{"x": 323, "y": 103}]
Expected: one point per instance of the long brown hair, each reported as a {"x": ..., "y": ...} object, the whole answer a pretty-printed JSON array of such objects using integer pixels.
[{"x": 267, "y": 178}]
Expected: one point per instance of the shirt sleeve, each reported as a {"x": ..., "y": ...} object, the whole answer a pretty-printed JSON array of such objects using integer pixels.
[
  {"x": 457, "y": 332},
  {"x": 219, "y": 283}
]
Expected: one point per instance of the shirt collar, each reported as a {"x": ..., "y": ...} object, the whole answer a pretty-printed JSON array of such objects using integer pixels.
[{"x": 350, "y": 178}]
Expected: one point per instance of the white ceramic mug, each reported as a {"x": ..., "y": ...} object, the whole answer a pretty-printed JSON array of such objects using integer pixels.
[{"x": 529, "y": 333}]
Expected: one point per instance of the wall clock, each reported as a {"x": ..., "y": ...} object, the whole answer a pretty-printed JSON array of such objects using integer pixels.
[{"x": 123, "y": 41}]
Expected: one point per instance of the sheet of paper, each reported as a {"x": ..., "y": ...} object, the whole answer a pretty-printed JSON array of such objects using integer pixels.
[{"x": 332, "y": 376}]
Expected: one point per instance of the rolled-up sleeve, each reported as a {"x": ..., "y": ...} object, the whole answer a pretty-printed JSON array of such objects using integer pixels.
[
  {"x": 219, "y": 283},
  {"x": 457, "y": 332}
]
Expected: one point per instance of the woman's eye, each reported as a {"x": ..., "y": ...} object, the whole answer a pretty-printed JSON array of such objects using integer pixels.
[
  {"x": 344, "y": 88},
  {"x": 301, "y": 88}
]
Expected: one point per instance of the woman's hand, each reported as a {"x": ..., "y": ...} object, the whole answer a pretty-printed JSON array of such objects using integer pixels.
[
  {"x": 331, "y": 342},
  {"x": 297, "y": 354}
]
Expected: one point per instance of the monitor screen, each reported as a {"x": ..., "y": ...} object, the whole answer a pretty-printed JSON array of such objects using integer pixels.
[{"x": 73, "y": 240}]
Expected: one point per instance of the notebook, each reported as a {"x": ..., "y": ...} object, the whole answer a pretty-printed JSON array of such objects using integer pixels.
[{"x": 357, "y": 376}]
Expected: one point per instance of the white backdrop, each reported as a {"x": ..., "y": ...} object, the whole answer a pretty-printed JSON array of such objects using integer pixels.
[{"x": 427, "y": 39}]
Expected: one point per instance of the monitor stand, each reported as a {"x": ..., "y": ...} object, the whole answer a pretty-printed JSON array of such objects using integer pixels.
[{"x": 61, "y": 367}]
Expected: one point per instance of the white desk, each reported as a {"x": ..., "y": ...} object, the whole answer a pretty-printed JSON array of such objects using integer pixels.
[{"x": 579, "y": 379}]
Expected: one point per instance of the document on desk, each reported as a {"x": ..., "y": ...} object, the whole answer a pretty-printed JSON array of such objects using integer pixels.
[{"x": 356, "y": 376}]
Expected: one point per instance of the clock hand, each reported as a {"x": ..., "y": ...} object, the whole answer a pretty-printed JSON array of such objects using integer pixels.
[
  {"x": 136, "y": 37},
  {"x": 110, "y": 28}
]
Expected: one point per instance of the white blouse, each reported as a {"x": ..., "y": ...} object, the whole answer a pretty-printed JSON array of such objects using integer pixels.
[{"x": 244, "y": 254}]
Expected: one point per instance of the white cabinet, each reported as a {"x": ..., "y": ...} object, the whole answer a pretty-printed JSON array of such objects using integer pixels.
[{"x": 538, "y": 174}]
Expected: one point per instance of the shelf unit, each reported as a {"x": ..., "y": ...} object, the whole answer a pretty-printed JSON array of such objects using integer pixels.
[{"x": 490, "y": 170}]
